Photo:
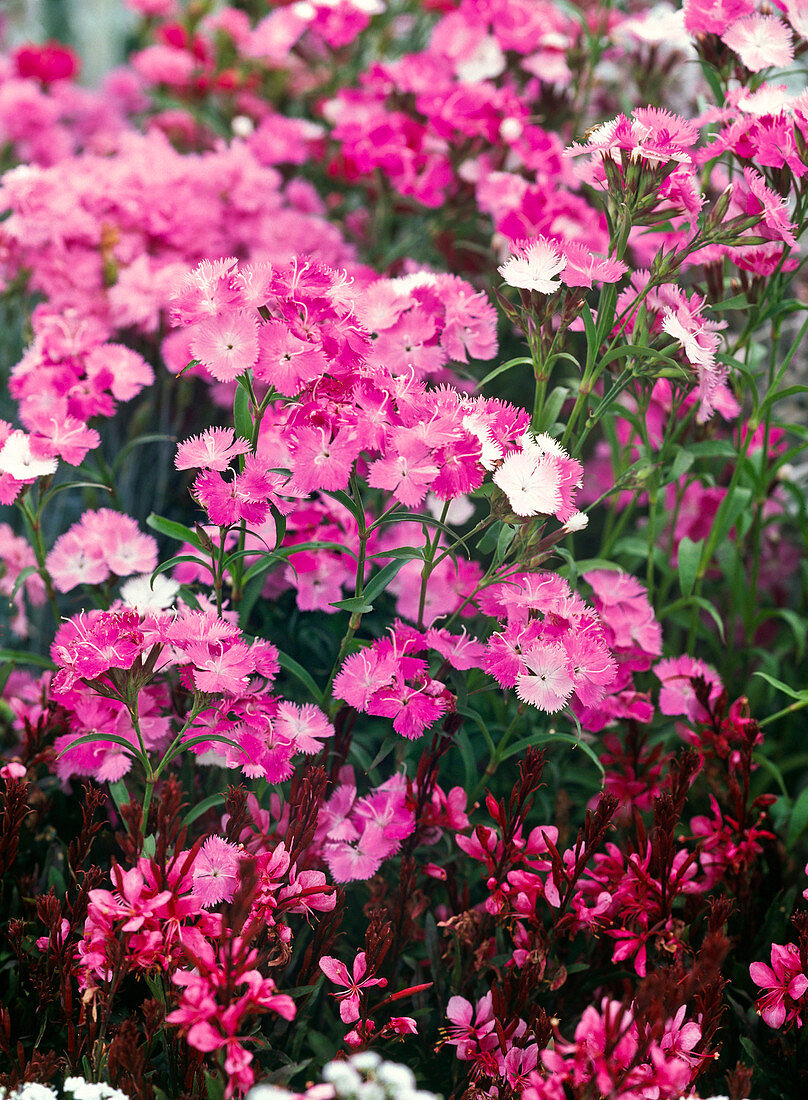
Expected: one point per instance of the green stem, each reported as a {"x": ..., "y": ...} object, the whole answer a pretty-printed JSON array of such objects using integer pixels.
[
  {"x": 429, "y": 564},
  {"x": 34, "y": 523},
  {"x": 359, "y": 583}
]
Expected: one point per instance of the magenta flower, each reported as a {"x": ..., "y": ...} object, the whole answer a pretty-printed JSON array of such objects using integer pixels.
[
  {"x": 787, "y": 985},
  {"x": 337, "y": 972}
]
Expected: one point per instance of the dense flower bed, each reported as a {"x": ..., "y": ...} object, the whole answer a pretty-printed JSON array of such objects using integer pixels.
[{"x": 404, "y": 553}]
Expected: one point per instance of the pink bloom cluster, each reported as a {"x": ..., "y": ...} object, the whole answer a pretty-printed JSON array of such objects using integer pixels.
[
  {"x": 634, "y": 638},
  {"x": 100, "y": 544},
  {"x": 613, "y": 1051},
  {"x": 158, "y": 911},
  {"x": 551, "y": 646},
  {"x": 355, "y": 835},
  {"x": 45, "y": 116},
  {"x": 15, "y": 556},
  {"x": 219, "y": 996}
]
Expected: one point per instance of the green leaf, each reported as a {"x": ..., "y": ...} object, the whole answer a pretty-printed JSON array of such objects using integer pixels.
[
  {"x": 22, "y": 658},
  {"x": 552, "y": 407},
  {"x": 463, "y": 742},
  {"x": 120, "y": 793},
  {"x": 178, "y": 559},
  {"x": 772, "y": 769},
  {"x": 522, "y": 360},
  {"x": 592, "y": 340},
  {"x": 379, "y": 582},
  {"x": 348, "y": 502},
  {"x": 695, "y": 601},
  {"x": 112, "y": 738},
  {"x": 290, "y": 665},
  {"x": 799, "y": 819},
  {"x": 682, "y": 462},
  {"x": 728, "y": 514},
  {"x": 506, "y": 537},
  {"x": 786, "y": 690},
  {"x": 390, "y": 743},
  {"x": 141, "y": 441},
  {"x": 550, "y": 738},
  {"x": 689, "y": 558},
  {"x": 467, "y": 712},
  {"x": 357, "y": 605},
  {"x": 799, "y": 627},
  {"x": 258, "y": 568},
  {"x": 73, "y": 485},
  {"x": 174, "y": 530},
  {"x": 487, "y": 542},
  {"x": 203, "y": 807},
  {"x": 202, "y": 739},
  {"x": 241, "y": 413},
  {"x": 214, "y": 1083},
  {"x": 250, "y": 594},
  {"x": 713, "y": 448},
  {"x": 737, "y": 301},
  {"x": 22, "y": 577}
]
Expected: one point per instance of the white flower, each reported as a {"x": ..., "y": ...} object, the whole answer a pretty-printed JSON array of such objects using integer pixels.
[
  {"x": 548, "y": 684},
  {"x": 536, "y": 268},
  {"x": 396, "y": 1078},
  {"x": 510, "y": 129},
  {"x": 578, "y": 521},
  {"x": 760, "y": 41},
  {"x": 531, "y": 485},
  {"x": 460, "y": 509},
  {"x": 269, "y": 1092},
  {"x": 366, "y": 1061},
  {"x": 16, "y": 459},
  {"x": 138, "y": 592},
  {"x": 542, "y": 444},
  {"x": 343, "y": 1077},
  {"x": 32, "y": 1091},
  {"x": 485, "y": 63},
  {"x": 491, "y": 450},
  {"x": 371, "y": 1090},
  {"x": 242, "y": 126}
]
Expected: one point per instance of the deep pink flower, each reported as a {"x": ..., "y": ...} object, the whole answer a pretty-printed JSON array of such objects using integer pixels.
[
  {"x": 354, "y": 983},
  {"x": 787, "y": 984}
]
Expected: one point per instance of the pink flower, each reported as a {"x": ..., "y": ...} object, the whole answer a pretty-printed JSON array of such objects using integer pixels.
[
  {"x": 760, "y": 41},
  {"x": 677, "y": 695},
  {"x": 225, "y": 671},
  {"x": 212, "y": 450},
  {"x": 787, "y": 983},
  {"x": 227, "y": 346},
  {"x": 215, "y": 872},
  {"x": 548, "y": 684},
  {"x": 337, "y": 972},
  {"x": 468, "y": 1031},
  {"x": 205, "y": 292}
]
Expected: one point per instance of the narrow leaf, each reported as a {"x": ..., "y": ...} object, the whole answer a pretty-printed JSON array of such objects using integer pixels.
[{"x": 689, "y": 558}]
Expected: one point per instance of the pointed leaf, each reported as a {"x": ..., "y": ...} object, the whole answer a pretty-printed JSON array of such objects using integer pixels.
[
  {"x": 689, "y": 558},
  {"x": 173, "y": 530}
]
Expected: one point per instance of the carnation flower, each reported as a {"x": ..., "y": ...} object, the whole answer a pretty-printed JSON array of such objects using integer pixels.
[
  {"x": 548, "y": 684},
  {"x": 760, "y": 41},
  {"x": 535, "y": 265},
  {"x": 227, "y": 346},
  {"x": 18, "y": 460}
]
